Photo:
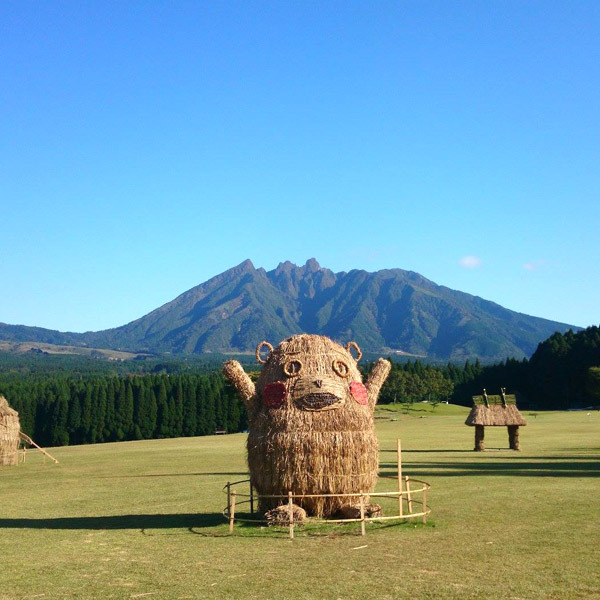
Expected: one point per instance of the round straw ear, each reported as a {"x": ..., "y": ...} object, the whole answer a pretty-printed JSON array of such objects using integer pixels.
[
  {"x": 354, "y": 345},
  {"x": 262, "y": 345}
]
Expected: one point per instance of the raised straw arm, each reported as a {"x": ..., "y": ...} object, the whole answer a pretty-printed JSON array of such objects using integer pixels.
[
  {"x": 240, "y": 380},
  {"x": 376, "y": 379}
]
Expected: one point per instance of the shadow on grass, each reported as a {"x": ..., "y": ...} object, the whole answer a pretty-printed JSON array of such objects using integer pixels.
[
  {"x": 545, "y": 468},
  {"x": 207, "y": 525},
  {"x": 169, "y": 521},
  {"x": 427, "y": 451},
  {"x": 240, "y": 474}
]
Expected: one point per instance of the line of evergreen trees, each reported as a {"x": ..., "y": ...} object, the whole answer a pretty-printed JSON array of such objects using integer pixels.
[
  {"x": 59, "y": 406},
  {"x": 57, "y": 411},
  {"x": 563, "y": 373}
]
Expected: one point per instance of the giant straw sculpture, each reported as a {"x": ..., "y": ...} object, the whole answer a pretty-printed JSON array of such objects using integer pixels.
[{"x": 311, "y": 427}]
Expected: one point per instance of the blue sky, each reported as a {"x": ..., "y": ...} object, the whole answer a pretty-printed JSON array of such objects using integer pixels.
[{"x": 148, "y": 146}]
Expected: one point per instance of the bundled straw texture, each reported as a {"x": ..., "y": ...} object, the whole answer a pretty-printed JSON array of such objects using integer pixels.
[
  {"x": 495, "y": 414},
  {"x": 353, "y": 512},
  {"x": 280, "y": 516},
  {"x": 9, "y": 433},
  {"x": 320, "y": 438}
]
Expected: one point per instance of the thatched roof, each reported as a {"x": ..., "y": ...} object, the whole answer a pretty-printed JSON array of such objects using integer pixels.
[
  {"x": 495, "y": 411},
  {"x": 9, "y": 433}
]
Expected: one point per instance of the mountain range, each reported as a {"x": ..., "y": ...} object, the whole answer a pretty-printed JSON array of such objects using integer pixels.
[{"x": 388, "y": 311}]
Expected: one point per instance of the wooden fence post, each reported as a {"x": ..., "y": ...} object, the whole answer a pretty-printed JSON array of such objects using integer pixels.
[
  {"x": 400, "y": 497},
  {"x": 228, "y": 486},
  {"x": 232, "y": 512},
  {"x": 362, "y": 516},
  {"x": 291, "y": 511},
  {"x": 408, "y": 494}
]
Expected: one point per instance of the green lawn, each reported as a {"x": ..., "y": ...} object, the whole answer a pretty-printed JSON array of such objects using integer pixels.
[{"x": 143, "y": 520}]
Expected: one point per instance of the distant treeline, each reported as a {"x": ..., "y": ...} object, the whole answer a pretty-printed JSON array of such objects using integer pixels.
[
  {"x": 563, "y": 373},
  {"x": 72, "y": 401},
  {"x": 57, "y": 411},
  {"x": 38, "y": 363}
]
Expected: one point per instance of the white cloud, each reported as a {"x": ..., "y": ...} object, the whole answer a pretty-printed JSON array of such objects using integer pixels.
[
  {"x": 534, "y": 265},
  {"x": 470, "y": 262}
]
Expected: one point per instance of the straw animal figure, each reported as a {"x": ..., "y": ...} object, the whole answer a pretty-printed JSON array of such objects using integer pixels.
[
  {"x": 311, "y": 427},
  {"x": 9, "y": 433}
]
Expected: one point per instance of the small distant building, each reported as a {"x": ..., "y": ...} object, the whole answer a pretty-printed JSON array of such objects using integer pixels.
[
  {"x": 495, "y": 411},
  {"x": 9, "y": 434}
]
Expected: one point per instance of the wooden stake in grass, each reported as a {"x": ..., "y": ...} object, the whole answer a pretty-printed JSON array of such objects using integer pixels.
[
  {"x": 291, "y": 510},
  {"x": 408, "y": 495},
  {"x": 424, "y": 505},
  {"x": 228, "y": 497},
  {"x": 399, "y": 454},
  {"x": 362, "y": 516},
  {"x": 232, "y": 512}
]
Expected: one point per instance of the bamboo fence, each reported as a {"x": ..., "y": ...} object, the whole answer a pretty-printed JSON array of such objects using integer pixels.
[{"x": 408, "y": 506}]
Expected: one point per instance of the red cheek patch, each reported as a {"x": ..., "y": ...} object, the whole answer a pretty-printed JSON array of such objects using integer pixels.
[
  {"x": 359, "y": 392},
  {"x": 274, "y": 395}
]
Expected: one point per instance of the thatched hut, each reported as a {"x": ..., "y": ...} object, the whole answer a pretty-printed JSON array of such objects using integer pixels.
[
  {"x": 310, "y": 422},
  {"x": 495, "y": 411},
  {"x": 9, "y": 434}
]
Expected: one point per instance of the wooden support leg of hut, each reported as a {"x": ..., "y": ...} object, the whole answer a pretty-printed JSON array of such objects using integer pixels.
[
  {"x": 479, "y": 434},
  {"x": 513, "y": 437}
]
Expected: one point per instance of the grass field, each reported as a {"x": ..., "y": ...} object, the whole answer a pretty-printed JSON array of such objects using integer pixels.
[{"x": 143, "y": 520}]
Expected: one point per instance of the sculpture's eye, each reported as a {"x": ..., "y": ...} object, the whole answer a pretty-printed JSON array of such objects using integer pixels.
[
  {"x": 292, "y": 368},
  {"x": 341, "y": 368}
]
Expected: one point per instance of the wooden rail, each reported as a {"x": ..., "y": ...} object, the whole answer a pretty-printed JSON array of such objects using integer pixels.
[{"x": 29, "y": 441}]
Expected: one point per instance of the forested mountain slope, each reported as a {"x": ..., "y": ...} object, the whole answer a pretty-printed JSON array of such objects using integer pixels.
[{"x": 385, "y": 311}]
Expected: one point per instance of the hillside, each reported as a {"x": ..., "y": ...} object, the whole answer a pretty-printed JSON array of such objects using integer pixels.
[{"x": 387, "y": 311}]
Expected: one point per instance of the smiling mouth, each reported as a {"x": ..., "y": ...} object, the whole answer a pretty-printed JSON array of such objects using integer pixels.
[{"x": 318, "y": 401}]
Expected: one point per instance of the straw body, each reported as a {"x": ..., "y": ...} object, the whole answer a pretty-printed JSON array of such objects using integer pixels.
[{"x": 311, "y": 427}]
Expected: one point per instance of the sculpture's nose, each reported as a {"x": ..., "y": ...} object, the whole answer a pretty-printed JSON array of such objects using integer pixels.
[{"x": 318, "y": 382}]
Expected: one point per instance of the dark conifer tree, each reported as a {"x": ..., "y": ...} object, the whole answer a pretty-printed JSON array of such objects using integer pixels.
[
  {"x": 86, "y": 414},
  {"x": 109, "y": 432},
  {"x": 150, "y": 422},
  {"x": 189, "y": 407},
  {"x": 101, "y": 412},
  {"x": 178, "y": 407},
  {"x": 163, "y": 418}
]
